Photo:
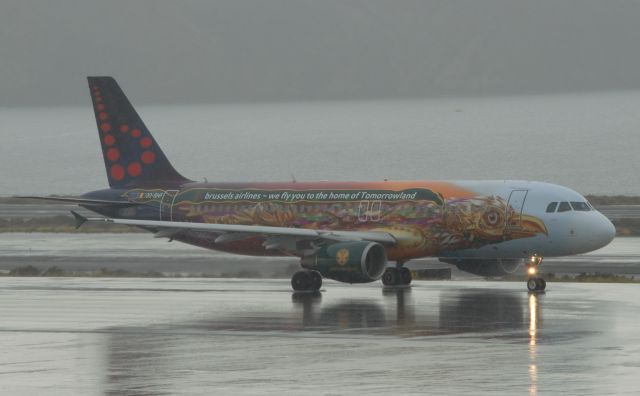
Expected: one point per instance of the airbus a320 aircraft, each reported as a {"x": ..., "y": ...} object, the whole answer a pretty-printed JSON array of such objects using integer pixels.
[{"x": 346, "y": 231}]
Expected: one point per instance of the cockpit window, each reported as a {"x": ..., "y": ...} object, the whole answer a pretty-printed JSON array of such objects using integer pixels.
[
  {"x": 564, "y": 207},
  {"x": 580, "y": 206},
  {"x": 552, "y": 207}
]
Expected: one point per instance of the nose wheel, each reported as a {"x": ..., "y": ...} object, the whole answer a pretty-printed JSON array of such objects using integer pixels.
[
  {"x": 534, "y": 281},
  {"x": 536, "y": 284}
]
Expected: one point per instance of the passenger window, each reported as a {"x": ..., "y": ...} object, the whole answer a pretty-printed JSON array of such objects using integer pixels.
[
  {"x": 580, "y": 206},
  {"x": 564, "y": 207},
  {"x": 552, "y": 207}
]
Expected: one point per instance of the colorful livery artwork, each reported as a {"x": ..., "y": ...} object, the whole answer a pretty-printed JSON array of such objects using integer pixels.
[{"x": 430, "y": 223}]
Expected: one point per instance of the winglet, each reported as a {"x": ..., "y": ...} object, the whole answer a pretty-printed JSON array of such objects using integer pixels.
[{"x": 80, "y": 219}]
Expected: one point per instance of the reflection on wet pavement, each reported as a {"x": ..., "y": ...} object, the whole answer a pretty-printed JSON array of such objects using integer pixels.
[
  {"x": 533, "y": 329},
  {"x": 149, "y": 337},
  {"x": 473, "y": 310}
]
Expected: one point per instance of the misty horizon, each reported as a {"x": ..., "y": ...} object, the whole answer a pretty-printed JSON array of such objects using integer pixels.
[{"x": 288, "y": 51}]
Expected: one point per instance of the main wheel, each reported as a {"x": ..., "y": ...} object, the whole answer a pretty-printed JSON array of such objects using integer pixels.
[
  {"x": 316, "y": 280},
  {"x": 389, "y": 277},
  {"x": 404, "y": 276},
  {"x": 301, "y": 280}
]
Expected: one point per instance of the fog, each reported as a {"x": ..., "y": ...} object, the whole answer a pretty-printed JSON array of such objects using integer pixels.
[{"x": 297, "y": 50}]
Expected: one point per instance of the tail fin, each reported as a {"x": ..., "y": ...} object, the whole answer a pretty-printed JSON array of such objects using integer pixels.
[{"x": 131, "y": 156}]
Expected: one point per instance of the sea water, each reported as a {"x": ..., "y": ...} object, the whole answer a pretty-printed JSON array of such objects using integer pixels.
[{"x": 588, "y": 142}]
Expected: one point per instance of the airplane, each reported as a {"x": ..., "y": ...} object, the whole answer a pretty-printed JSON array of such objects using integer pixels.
[{"x": 345, "y": 231}]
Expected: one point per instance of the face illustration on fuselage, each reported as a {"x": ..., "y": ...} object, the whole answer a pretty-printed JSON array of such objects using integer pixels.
[{"x": 572, "y": 225}]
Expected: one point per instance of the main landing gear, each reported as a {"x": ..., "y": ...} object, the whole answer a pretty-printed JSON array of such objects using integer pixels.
[
  {"x": 306, "y": 280},
  {"x": 396, "y": 276},
  {"x": 534, "y": 281}
]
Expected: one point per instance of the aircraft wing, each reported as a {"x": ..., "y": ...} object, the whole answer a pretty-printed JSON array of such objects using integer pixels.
[{"x": 238, "y": 231}]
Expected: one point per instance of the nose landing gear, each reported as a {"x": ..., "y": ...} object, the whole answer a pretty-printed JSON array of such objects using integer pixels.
[{"x": 534, "y": 281}]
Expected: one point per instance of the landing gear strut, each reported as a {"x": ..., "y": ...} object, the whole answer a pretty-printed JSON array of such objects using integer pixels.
[
  {"x": 396, "y": 276},
  {"x": 534, "y": 281},
  {"x": 306, "y": 280}
]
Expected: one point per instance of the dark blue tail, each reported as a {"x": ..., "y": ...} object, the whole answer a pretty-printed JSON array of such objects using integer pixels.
[{"x": 131, "y": 156}]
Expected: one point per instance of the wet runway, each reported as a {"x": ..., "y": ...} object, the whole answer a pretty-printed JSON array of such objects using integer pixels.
[
  {"x": 31, "y": 211},
  {"x": 194, "y": 336},
  {"x": 141, "y": 253}
]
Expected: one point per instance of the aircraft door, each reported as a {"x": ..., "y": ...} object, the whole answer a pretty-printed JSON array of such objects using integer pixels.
[
  {"x": 369, "y": 211},
  {"x": 166, "y": 205},
  {"x": 516, "y": 202}
]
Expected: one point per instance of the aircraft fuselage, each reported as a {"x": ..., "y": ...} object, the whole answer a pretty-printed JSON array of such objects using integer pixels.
[{"x": 458, "y": 219}]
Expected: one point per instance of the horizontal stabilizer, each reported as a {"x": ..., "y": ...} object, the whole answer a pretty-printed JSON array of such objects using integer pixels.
[
  {"x": 80, "y": 219},
  {"x": 85, "y": 201}
]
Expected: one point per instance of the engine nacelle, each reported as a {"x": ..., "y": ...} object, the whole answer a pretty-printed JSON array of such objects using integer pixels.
[
  {"x": 486, "y": 267},
  {"x": 350, "y": 262}
]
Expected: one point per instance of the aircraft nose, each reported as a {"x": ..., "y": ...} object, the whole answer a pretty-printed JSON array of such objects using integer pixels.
[{"x": 605, "y": 231}]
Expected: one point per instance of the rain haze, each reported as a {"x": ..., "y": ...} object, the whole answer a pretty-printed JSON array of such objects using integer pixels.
[
  {"x": 302, "y": 288},
  {"x": 255, "y": 90}
]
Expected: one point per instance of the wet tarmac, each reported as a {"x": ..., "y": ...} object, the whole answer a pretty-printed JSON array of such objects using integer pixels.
[
  {"x": 142, "y": 253},
  {"x": 202, "y": 336},
  {"x": 34, "y": 211}
]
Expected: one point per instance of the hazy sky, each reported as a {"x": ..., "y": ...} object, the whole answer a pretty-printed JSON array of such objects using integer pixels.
[{"x": 236, "y": 50}]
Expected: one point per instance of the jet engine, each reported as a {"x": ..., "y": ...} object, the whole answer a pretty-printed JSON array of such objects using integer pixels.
[
  {"x": 350, "y": 262},
  {"x": 486, "y": 267}
]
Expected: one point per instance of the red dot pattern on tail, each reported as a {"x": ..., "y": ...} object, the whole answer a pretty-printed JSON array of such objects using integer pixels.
[
  {"x": 148, "y": 157},
  {"x": 134, "y": 169},
  {"x": 113, "y": 154},
  {"x": 146, "y": 142},
  {"x": 132, "y": 156},
  {"x": 109, "y": 140},
  {"x": 117, "y": 172}
]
